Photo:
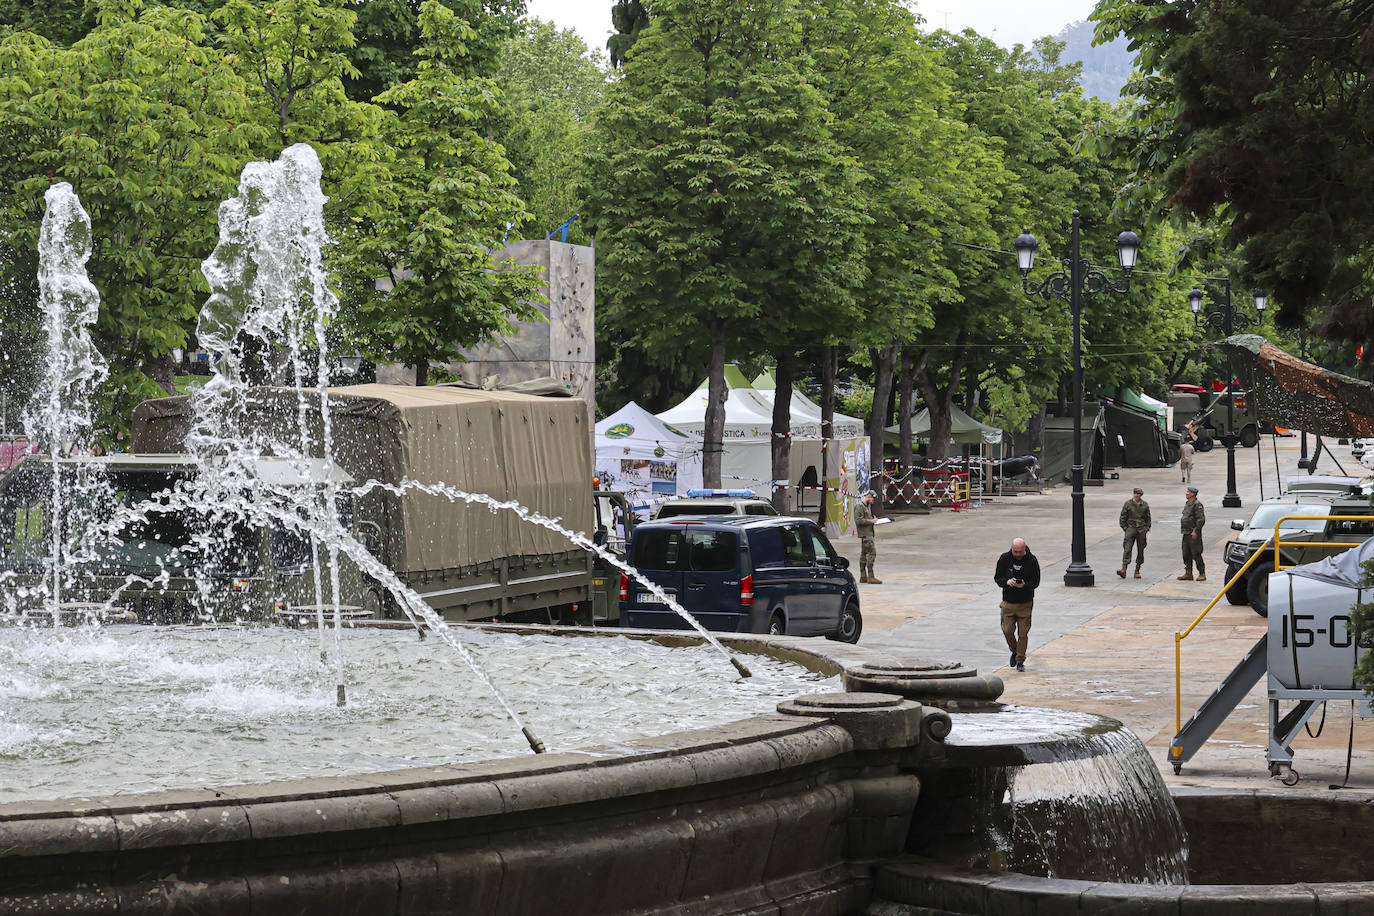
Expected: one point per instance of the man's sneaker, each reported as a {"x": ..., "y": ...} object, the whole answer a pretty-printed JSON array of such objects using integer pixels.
[
  {"x": 1020, "y": 666},
  {"x": 1013, "y": 660}
]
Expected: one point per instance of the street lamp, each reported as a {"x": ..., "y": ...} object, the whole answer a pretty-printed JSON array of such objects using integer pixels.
[
  {"x": 1226, "y": 319},
  {"x": 1078, "y": 280}
]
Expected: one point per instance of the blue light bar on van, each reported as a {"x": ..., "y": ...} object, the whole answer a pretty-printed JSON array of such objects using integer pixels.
[{"x": 739, "y": 494}]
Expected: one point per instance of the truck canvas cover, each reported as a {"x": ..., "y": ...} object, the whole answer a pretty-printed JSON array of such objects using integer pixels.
[{"x": 511, "y": 446}]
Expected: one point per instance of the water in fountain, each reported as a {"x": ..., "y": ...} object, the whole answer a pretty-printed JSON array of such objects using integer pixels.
[
  {"x": 93, "y": 711},
  {"x": 59, "y": 416},
  {"x": 1069, "y": 795}
]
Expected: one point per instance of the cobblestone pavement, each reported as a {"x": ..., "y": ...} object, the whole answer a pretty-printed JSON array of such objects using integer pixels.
[{"x": 1108, "y": 649}]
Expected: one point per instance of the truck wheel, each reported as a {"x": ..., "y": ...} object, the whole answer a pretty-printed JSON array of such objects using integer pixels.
[
  {"x": 1257, "y": 587},
  {"x": 1249, "y": 438},
  {"x": 851, "y": 624},
  {"x": 777, "y": 626},
  {"x": 1237, "y": 593},
  {"x": 1204, "y": 443},
  {"x": 1173, "y": 451}
]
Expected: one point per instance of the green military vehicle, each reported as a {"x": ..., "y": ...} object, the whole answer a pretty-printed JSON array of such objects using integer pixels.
[
  {"x": 1315, "y": 495},
  {"x": 127, "y": 558},
  {"x": 466, "y": 559},
  {"x": 1207, "y": 421}
]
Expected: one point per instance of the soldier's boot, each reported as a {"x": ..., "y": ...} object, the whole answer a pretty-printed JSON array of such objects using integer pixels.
[
  {"x": 1187, "y": 576},
  {"x": 874, "y": 580},
  {"x": 1201, "y": 576},
  {"x": 1137, "y": 570}
]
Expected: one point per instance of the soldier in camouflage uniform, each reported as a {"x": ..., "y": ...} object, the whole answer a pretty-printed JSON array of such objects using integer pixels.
[
  {"x": 868, "y": 551},
  {"x": 1135, "y": 522},
  {"x": 1191, "y": 524}
]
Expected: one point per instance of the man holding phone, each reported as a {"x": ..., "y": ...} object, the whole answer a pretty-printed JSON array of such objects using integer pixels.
[{"x": 1018, "y": 573}]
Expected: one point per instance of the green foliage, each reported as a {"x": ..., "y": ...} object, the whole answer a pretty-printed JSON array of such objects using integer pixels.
[
  {"x": 715, "y": 188},
  {"x": 388, "y": 32},
  {"x": 1257, "y": 113},
  {"x": 150, "y": 127},
  {"x": 857, "y": 403},
  {"x": 449, "y": 195},
  {"x": 629, "y": 18},
  {"x": 551, "y": 84}
]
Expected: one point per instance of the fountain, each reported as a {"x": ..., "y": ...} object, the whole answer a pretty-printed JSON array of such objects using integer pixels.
[{"x": 675, "y": 790}]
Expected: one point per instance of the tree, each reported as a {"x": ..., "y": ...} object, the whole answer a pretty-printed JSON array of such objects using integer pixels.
[
  {"x": 150, "y": 127},
  {"x": 717, "y": 195},
  {"x": 551, "y": 84},
  {"x": 388, "y": 32},
  {"x": 451, "y": 197},
  {"x": 629, "y": 17},
  {"x": 1256, "y": 113}
]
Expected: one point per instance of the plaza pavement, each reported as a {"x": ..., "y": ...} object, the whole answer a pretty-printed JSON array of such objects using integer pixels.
[{"x": 1108, "y": 649}]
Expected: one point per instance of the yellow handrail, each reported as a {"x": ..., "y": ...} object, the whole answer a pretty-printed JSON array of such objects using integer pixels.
[{"x": 1277, "y": 541}]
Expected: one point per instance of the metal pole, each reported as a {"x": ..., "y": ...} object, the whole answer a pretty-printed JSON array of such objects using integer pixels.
[
  {"x": 1232, "y": 498},
  {"x": 1079, "y": 574},
  {"x": 1302, "y": 351}
]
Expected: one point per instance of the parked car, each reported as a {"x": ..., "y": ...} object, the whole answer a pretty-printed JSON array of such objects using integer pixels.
[
  {"x": 742, "y": 574},
  {"x": 1358, "y": 447},
  {"x": 1318, "y": 495},
  {"x": 715, "y": 502}
]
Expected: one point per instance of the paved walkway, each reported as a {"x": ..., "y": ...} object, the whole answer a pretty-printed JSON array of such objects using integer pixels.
[{"x": 1107, "y": 649}]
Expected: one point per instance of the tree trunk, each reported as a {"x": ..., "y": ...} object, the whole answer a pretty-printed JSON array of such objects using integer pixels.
[
  {"x": 906, "y": 379},
  {"x": 829, "y": 368},
  {"x": 713, "y": 436},
  {"x": 1063, "y": 397},
  {"x": 782, "y": 432},
  {"x": 883, "y": 360},
  {"x": 939, "y": 402},
  {"x": 422, "y": 374}
]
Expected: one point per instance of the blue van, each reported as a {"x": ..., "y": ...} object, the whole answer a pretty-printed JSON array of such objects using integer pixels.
[{"x": 742, "y": 574}]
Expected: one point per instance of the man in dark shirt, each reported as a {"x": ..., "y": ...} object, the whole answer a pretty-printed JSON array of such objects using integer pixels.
[{"x": 1018, "y": 573}]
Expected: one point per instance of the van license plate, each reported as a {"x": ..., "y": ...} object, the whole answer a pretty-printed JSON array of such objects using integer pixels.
[{"x": 649, "y": 598}]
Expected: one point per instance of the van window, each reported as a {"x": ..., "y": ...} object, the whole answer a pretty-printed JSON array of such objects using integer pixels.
[
  {"x": 669, "y": 511},
  {"x": 759, "y": 509},
  {"x": 713, "y": 551},
  {"x": 765, "y": 548},
  {"x": 796, "y": 546},
  {"x": 658, "y": 549},
  {"x": 824, "y": 552}
]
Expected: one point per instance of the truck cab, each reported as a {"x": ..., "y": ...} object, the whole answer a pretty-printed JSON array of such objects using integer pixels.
[{"x": 135, "y": 543}]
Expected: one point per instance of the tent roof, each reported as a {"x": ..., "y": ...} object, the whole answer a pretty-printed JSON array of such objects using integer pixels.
[
  {"x": 634, "y": 428},
  {"x": 964, "y": 429},
  {"x": 747, "y": 414},
  {"x": 805, "y": 411}
]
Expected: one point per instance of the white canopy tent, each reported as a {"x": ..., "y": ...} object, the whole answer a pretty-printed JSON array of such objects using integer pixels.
[
  {"x": 747, "y": 456},
  {"x": 806, "y": 414},
  {"x": 646, "y": 459}
]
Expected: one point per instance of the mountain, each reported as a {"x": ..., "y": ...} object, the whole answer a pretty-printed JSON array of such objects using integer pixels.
[{"x": 1105, "y": 68}]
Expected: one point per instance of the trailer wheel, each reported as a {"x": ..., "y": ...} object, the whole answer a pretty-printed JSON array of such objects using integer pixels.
[
  {"x": 1257, "y": 587},
  {"x": 1249, "y": 438},
  {"x": 1204, "y": 443},
  {"x": 1290, "y": 779}
]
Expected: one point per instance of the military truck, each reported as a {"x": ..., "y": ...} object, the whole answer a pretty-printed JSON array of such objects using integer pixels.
[
  {"x": 1310, "y": 495},
  {"x": 1205, "y": 418},
  {"x": 468, "y": 560},
  {"x": 162, "y": 566}
]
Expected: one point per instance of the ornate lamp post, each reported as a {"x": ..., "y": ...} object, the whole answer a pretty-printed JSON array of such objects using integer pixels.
[
  {"x": 1226, "y": 319},
  {"x": 1076, "y": 281}
]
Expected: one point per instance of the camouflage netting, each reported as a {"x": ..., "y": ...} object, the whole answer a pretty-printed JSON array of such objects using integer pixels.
[{"x": 1289, "y": 392}]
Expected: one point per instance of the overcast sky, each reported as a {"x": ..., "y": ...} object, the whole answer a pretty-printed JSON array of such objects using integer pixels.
[{"x": 1006, "y": 21}]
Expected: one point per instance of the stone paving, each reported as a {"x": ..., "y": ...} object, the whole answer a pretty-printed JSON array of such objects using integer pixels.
[{"x": 1110, "y": 648}]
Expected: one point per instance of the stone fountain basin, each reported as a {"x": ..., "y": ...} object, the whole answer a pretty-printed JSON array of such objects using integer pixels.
[
  {"x": 772, "y": 811},
  {"x": 1250, "y": 852}
]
